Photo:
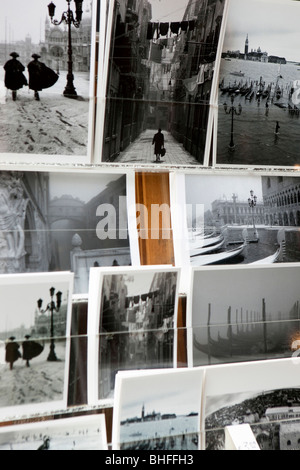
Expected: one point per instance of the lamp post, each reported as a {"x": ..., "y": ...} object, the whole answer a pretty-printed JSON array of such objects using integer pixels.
[
  {"x": 252, "y": 201},
  {"x": 233, "y": 111},
  {"x": 69, "y": 18},
  {"x": 52, "y": 307}
]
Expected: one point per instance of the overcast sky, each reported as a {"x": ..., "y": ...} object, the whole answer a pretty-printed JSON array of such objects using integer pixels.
[
  {"x": 178, "y": 393},
  {"x": 141, "y": 283},
  {"x": 19, "y": 301},
  {"x": 168, "y": 10},
  {"x": 272, "y": 25},
  {"x": 19, "y": 18},
  {"x": 84, "y": 186},
  {"x": 244, "y": 288},
  {"x": 31, "y": 16},
  {"x": 208, "y": 188}
]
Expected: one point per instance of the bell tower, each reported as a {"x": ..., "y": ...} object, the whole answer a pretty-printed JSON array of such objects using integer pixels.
[{"x": 246, "y": 46}]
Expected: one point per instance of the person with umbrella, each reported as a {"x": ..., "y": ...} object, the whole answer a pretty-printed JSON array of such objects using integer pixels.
[
  {"x": 14, "y": 77},
  {"x": 40, "y": 76}
]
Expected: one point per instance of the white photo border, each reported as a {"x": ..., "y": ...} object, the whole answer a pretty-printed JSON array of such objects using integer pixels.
[
  {"x": 21, "y": 411},
  {"x": 94, "y": 317}
]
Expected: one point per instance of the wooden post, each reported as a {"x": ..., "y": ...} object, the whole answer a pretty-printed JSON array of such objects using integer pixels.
[
  {"x": 152, "y": 192},
  {"x": 264, "y": 326}
]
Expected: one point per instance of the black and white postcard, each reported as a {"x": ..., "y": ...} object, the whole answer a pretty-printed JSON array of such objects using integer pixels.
[
  {"x": 259, "y": 79},
  {"x": 235, "y": 219},
  {"x": 158, "y": 410},
  {"x": 132, "y": 319},
  {"x": 34, "y": 344},
  {"x": 158, "y": 95},
  {"x": 79, "y": 434},
  {"x": 243, "y": 313},
  {"x": 63, "y": 221},
  {"x": 47, "y": 81},
  {"x": 264, "y": 395}
]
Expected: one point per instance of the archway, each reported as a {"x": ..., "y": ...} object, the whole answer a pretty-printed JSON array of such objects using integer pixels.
[
  {"x": 292, "y": 221},
  {"x": 285, "y": 219},
  {"x": 62, "y": 232}
]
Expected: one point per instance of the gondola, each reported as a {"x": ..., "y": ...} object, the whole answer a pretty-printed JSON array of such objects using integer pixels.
[
  {"x": 204, "y": 242},
  {"x": 204, "y": 260},
  {"x": 208, "y": 249}
]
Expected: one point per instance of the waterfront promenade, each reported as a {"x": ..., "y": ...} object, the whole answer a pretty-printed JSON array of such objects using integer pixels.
[{"x": 141, "y": 151}]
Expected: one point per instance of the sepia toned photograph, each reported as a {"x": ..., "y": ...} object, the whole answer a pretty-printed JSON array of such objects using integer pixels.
[
  {"x": 246, "y": 318},
  {"x": 161, "y": 69},
  {"x": 47, "y": 81},
  {"x": 158, "y": 411},
  {"x": 83, "y": 433},
  {"x": 259, "y": 77},
  {"x": 270, "y": 406},
  {"x": 241, "y": 219},
  {"x": 34, "y": 347},
  {"x": 135, "y": 316},
  {"x": 63, "y": 221}
]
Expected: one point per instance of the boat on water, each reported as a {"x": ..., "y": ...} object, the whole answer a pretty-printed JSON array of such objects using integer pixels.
[
  {"x": 208, "y": 249},
  {"x": 237, "y": 74},
  {"x": 203, "y": 234},
  {"x": 210, "y": 253},
  {"x": 251, "y": 336},
  {"x": 213, "y": 258},
  {"x": 205, "y": 242},
  {"x": 279, "y": 253},
  {"x": 244, "y": 344}
]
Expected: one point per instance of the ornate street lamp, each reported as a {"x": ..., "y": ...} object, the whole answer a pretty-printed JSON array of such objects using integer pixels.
[
  {"x": 233, "y": 111},
  {"x": 52, "y": 307},
  {"x": 69, "y": 18},
  {"x": 252, "y": 201}
]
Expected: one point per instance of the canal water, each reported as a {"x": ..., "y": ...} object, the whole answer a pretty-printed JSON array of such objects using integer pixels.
[
  {"x": 254, "y": 130},
  {"x": 254, "y": 346},
  {"x": 267, "y": 245}
]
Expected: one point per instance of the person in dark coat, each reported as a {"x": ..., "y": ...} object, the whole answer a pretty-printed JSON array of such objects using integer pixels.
[
  {"x": 159, "y": 143},
  {"x": 40, "y": 76},
  {"x": 46, "y": 444},
  {"x": 14, "y": 77},
  {"x": 31, "y": 349},
  {"x": 12, "y": 352}
]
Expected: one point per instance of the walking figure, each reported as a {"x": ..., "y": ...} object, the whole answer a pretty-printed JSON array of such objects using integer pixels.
[
  {"x": 12, "y": 352},
  {"x": 14, "y": 77},
  {"x": 277, "y": 128},
  {"x": 40, "y": 76},
  {"x": 31, "y": 349},
  {"x": 46, "y": 444},
  {"x": 159, "y": 143}
]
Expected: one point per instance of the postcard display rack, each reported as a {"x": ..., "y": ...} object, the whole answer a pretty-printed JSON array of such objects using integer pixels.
[{"x": 149, "y": 216}]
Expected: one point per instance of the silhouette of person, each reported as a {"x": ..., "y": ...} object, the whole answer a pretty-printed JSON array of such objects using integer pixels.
[
  {"x": 40, "y": 76},
  {"x": 46, "y": 444},
  {"x": 12, "y": 352},
  {"x": 159, "y": 143},
  {"x": 14, "y": 77},
  {"x": 31, "y": 349}
]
